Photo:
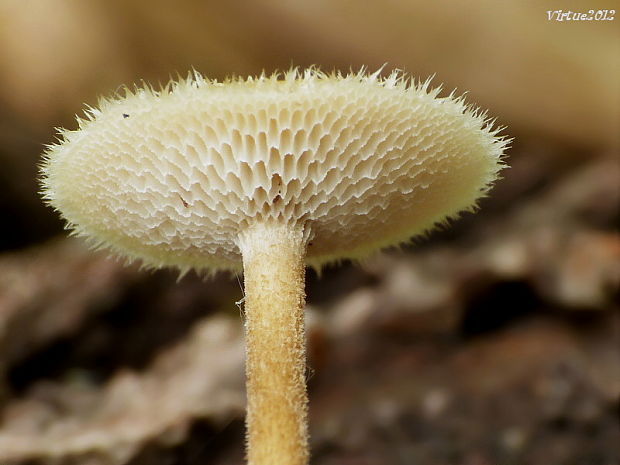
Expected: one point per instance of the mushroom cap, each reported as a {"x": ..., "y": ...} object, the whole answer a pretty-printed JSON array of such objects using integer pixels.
[{"x": 173, "y": 176}]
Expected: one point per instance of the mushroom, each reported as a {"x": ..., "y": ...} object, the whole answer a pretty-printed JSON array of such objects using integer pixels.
[{"x": 271, "y": 172}]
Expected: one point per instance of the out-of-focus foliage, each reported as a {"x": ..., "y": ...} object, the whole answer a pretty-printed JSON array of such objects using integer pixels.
[{"x": 539, "y": 75}]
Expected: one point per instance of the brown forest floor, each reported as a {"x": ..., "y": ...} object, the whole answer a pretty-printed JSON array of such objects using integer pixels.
[{"x": 494, "y": 342}]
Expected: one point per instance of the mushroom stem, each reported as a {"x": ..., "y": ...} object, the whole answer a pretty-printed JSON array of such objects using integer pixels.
[{"x": 277, "y": 402}]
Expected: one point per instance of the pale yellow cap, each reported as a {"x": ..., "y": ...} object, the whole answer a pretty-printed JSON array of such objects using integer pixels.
[{"x": 361, "y": 162}]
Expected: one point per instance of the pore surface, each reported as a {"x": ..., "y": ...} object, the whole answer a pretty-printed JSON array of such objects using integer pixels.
[{"x": 173, "y": 176}]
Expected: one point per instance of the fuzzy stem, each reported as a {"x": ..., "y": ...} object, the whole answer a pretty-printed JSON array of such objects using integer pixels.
[{"x": 277, "y": 402}]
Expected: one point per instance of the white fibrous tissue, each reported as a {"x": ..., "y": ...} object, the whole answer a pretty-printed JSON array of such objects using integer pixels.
[{"x": 360, "y": 162}]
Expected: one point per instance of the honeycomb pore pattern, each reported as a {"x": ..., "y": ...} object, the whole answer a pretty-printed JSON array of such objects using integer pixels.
[{"x": 172, "y": 176}]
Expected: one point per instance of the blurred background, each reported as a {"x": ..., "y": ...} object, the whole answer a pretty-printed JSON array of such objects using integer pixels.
[{"x": 496, "y": 341}]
